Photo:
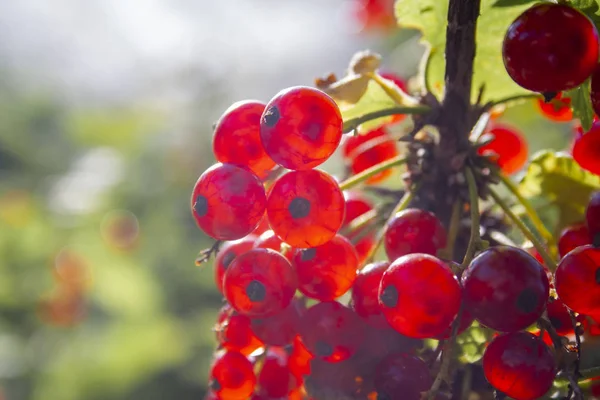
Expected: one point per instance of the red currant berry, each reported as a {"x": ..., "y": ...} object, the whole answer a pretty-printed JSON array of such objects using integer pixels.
[
  {"x": 586, "y": 150},
  {"x": 414, "y": 231},
  {"x": 365, "y": 293},
  {"x": 275, "y": 378},
  {"x": 299, "y": 359},
  {"x": 306, "y": 208},
  {"x": 234, "y": 332},
  {"x": 331, "y": 331},
  {"x": 357, "y": 205},
  {"x": 260, "y": 283},
  {"x": 541, "y": 58},
  {"x": 375, "y": 14},
  {"x": 577, "y": 280},
  {"x": 402, "y": 377},
  {"x": 507, "y": 148},
  {"x": 505, "y": 288},
  {"x": 419, "y": 296},
  {"x": 281, "y": 328},
  {"x": 263, "y": 225},
  {"x": 232, "y": 376},
  {"x": 519, "y": 365},
  {"x": 559, "y": 316},
  {"x": 236, "y": 139},
  {"x": 372, "y": 152},
  {"x": 228, "y": 202},
  {"x": 301, "y": 127},
  {"x": 592, "y": 217},
  {"x": 228, "y": 252},
  {"x": 466, "y": 320},
  {"x": 558, "y": 109},
  {"x": 326, "y": 272},
  {"x": 269, "y": 240},
  {"x": 571, "y": 237}
]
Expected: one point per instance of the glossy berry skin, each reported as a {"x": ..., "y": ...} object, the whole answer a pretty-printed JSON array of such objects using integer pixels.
[
  {"x": 542, "y": 58},
  {"x": 234, "y": 332},
  {"x": 275, "y": 378},
  {"x": 331, "y": 331},
  {"x": 372, "y": 148},
  {"x": 402, "y": 377},
  {"x": 301, "y": 127},
  {"x": 375, "y": 14},
  {"x": 326, "y": 272},
  {"x": 414, "y": 231},
  {"x": 559, "y": 316},
  {"x": 228, "y": 202},
  {"x": 281, "y": 328},
  {"x": 305, "y": 208},
  {"x": 505, "y": 288},
  {"x": 299, "y": 359},
  {"x": 357, "y": 205},
  {"x": 572, "y": 237},
  {"x": 260, "y": 283},
  {"x": 419, "y": 296},
  {"x": 365, "y": 294},
  {"x": 558, "y": 109},
  {"x": 269, "y": 240},
  {"x": 577, "y": 280},
  {"x": 592, "y": 217},
  {"x": 232, "y": 376},
  {"x": 507, "y": 148},
  {"x": 236, "y": 139},
  {"x": 586, "y": 150},
  {"x": 227, "y": 253},
  {"x": 520, "y": 365}
]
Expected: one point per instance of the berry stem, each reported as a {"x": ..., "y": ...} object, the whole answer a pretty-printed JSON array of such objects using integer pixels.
[
  {"x": 374, "y": 170},
  {"x": 360, "y": 222},
  {"x": 448, "y": 252},
  {"x": 425, "y": 68},
  {"x": 354, "y": 123},
  {"x": 204, "y": 255},
  {"x": 474, "y": 239},
  {"x": 515, "y": 99},
  {"x": 531, "y": 213},
  {"x": 523, "y": 228}
]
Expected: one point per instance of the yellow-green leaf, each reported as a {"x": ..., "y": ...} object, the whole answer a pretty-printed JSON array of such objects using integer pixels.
[{"x": 374, "y": 99}]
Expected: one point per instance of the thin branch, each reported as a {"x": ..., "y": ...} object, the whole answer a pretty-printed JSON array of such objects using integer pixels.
[
  {"x": 448, "y": 252},
  {"x": 475, "y": 239},
  {"x": 514, "y": 99},
  {"x": 204, "y": 255},
  {"x": 370, "y": 172},
  {"x": 354, "y": 123}
]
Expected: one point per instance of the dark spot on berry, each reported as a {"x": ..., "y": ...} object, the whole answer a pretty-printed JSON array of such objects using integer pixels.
[
  {"x": 308, "y": 254},
  {"x": 228, "y": 258},
  {"x": 214, "y": 385},
  {"x": 596, "y": 240},
  {"x": 299, "y": 207},
  {"x": 383, "y": 396},
  {"x": 389, "y": 296},
  {"x": 323, "y": 349},
  {"x": 271, "y": 116},
  {"x": 201, "y": 206},
  {"x": 556, "y": 323},
  {"x": 289, "y": 349},
  {"x": 548, "y": 96},
  {"x": 527, "y": 300},
  {"x": 256, "y": 291}
]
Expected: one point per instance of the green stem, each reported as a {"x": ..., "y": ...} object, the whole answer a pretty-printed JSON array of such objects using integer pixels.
[
  {"x": 531, "y": 213},
  {"x": 474, "y": 239},
  {"x": 448, "y": 252},
  {"x": 354, "y": 123},
  {"x": 426, "y": 67},
  {"x": 360, "y": 222},
  {"x": 523, "y": 228},
  {"x": 398, "y": 95},
  {"x": 516, "y": 98},
  {"x": 370, "y": 172}
]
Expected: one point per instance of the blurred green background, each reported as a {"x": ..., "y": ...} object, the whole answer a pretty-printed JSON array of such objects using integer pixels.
[{"x": 106, "y": 109}]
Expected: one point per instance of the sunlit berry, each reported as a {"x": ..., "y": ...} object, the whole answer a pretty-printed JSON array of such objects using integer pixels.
[
  {"x": 365, "y": 293},
  {"x": 234, "y": 332},
  {"x": 372, "y": 148},
  {"x": 558, "y": 109},
  {"x": 232, "y": 376},
  {"x": 507, "y": 148},
  {"x": 281, "y": 328},
  {"x": 577, "y": 280},
  {"x": 275, "y": 378},
  {"x": 269, "y": 240},
  {"x": 572, "y": 237},
  {"x": 227, "y": 253},
  {"x": 586, "y": 150}
]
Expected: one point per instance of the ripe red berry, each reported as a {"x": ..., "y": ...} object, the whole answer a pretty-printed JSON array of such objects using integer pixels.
[
  {"x": 505, "y": 288},
  {"x": 234, "y": 332},
  {"x": 414, "y": 231},
  {"x": 365, "y": 151},
  {"x": 269, "y": 240},
  {"x": 260, "y": 283},
  {"x": 402, "y": 377},
  {"x": 305, "y": 208},
  {"x": 236, "y": 139},
  {"x": 375, "y": 14},
  {"x": 357, "y": 205},
  {"x": 571, "y": 237},
  {"x": 577, "y": 280},
  {"x": 365, "y": 293},
  {"x": 508, "y": 148},
  {"x": 542, "y": 58},
  {"x": 326, "y": 272},
  {"x": 466, "y": 320},
  {"x": 228, "y": 202},
  {"x": 559, "y": 316},
  {"x": 558, "y": 109},
  {"x": 331, "y": 331},
  {"x": 299, "y": 359},
  {"x": 281, "y": 328},
  {"x": 586, "y": 150},
  {"x": 275, "y": 378},
  {"x": 232, "y": 376},
  {"x": 592, "y": 217},
  {"x": 227, "y": 253},
  {"x": 419, "y": 295},
  {"x": 301, "y": 127},
  {"x": 519, "y": 365}
]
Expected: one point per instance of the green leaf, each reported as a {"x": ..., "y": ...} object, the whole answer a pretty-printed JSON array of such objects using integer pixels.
[
  {"x": 584, "y": 4},
  {"x": 581, "y": 103},
  {"x": 374, "y": 99},
  {"x": 429, "y": 16},
  {"x": 558, "y": 178},
  {"x": 511, "y": 3}
]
